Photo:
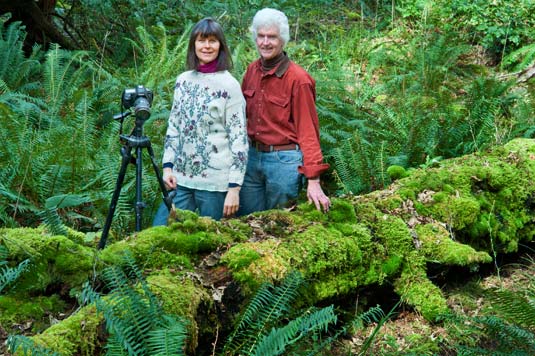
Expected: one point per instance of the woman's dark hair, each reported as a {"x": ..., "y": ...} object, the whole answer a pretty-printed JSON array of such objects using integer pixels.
[{"x": 208, "y": 27}]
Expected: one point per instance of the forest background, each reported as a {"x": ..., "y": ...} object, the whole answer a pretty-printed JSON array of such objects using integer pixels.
[{"x": 399, "y": 83}]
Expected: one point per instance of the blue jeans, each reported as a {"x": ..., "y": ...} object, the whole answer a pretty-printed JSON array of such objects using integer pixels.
[
  {"x": 203, "y": 202},
  {"x": 271, "y": 180}
]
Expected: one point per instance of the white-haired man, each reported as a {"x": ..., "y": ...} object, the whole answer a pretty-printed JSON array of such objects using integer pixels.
[{"x": 282, "y": 123}]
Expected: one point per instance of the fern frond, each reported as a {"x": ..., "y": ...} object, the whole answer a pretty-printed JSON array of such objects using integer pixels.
[
  {"x": 8, "y": 275},
  {"x": 169, "y": 339},
  {"x": 278, "y": 339},
  {"x": 515, "y": 307},
  {"x": 133, "y": 314},
  {"x": 23, "y": 344},
  {"x": 268, "y": 305}
]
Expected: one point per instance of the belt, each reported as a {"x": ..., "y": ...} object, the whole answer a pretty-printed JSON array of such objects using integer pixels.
[{"x": 270, "y": 148}]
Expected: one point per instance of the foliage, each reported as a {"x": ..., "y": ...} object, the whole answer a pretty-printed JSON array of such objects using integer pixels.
[
  {"x": 133, "y": 315},
  {"x": 8, "y": 275},
  {"x": 500, "y": 26},
  {"x": 23, "y": 344},
  {"x": 508, "y": 326},
  {"x": 258, "y": 331}
]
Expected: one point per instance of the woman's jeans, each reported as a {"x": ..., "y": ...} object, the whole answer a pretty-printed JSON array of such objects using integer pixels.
[
  {"x": 203, "y": 202},
  {"x": 271, "y": 180}
]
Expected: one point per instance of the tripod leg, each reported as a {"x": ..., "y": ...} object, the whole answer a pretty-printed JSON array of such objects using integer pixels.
[
  {"x": 140, "y": 205},
  {"x": 167, "y": 199},
  {"x": 126, "y": 152}
]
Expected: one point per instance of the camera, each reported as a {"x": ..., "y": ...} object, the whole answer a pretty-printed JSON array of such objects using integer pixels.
[{"x": 140, "y": 98}]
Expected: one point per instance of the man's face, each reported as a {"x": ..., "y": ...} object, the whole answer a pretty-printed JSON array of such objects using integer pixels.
[{"x": 268, "y": 42}]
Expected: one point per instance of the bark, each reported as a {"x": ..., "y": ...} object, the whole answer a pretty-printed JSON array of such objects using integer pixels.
[{"x": 37, "y": 17}]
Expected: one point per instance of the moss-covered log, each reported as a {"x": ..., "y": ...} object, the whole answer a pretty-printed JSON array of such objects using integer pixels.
[{"x": 461, "y": 212}]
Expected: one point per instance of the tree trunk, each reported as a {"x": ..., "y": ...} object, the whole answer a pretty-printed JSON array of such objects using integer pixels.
[{"x": 37, "y": 17}]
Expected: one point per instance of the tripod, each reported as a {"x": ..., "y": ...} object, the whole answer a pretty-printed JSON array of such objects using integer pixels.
[{"x": 136, "y": 140}]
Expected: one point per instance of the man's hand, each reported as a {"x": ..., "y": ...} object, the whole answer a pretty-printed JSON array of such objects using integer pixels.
[
  {"x": 315, "y": 194},
  {"x": 169, "y": 178},
  {"x": 232, "y": 202}
]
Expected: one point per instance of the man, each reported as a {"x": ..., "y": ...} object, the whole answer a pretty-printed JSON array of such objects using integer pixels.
[{"x": 282, "y": 123}]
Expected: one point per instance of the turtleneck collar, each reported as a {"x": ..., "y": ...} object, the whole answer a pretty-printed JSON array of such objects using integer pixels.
[
  {"x": 210, "y": 67},
  {"x": 280, "y": 62}
]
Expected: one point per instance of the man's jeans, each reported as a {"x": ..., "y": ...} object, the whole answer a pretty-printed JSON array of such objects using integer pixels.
[
  {"x": 271, "y": 180},
  {"x": 204, "y": 202}
]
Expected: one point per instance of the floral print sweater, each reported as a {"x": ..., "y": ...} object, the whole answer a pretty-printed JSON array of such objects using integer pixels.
[{"x": 206, "y": 140}]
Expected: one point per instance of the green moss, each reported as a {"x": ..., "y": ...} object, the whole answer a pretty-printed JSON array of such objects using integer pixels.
[
  {"x": 181, "y": 296},
  {"x": 396, "y": 172},
  {"x": 76, "y": 335},
  {"x": 241, "y": 256},
  {"x": 458, "y": 212},
  {"x": 154, "y": 247},
  {"x": 336, "y": 258},
  {"x": 394, "y": 234},
  {"x": 437, "y": 246},
  {"x": 54, "y": 259},
  {"x": 17, "y": 309},
  {"x": 310, "y": 213},
  {"x": 255, "y": 263},
  {"x": 341, "y": 211},
  {"x": 416, "y": 289},
  {"x": 440, "y": 197},
  {"x": 320, "y": 249},
  {"x": 392, "y": 264}
]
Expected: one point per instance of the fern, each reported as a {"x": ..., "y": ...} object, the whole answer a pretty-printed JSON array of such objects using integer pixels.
[
  {"x": 133, "y": 315},
  {"x": 278, "y": 339},
  {"x": 511, "y": 330},
  {"x": 267, "y": 306},
  {"x": 50, "y": 215},
  {"x": 258, "y": 331},
  {"x": 522, "y": 58},
  {"x": 514, "y": 306},
  {"x": 26, "y": 347},
  {"x": 353, "y": 164},
  {"x": 372, "y": 315},
  {"x": 8, "y": 275},
  {"x": 17, "y": 71},
  {"x": 505, "y": 338}
]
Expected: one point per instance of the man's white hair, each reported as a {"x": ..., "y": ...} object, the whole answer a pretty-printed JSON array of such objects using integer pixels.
[{"x": 271, "y": 18}]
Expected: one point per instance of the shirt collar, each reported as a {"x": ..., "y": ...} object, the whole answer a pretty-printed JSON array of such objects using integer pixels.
[{"x": 279, "y": 69}]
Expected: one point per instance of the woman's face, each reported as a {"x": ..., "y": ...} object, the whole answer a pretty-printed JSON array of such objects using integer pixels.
[{"x": 207, "y": 48}]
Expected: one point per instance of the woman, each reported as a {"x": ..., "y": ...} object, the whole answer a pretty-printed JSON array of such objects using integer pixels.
[{"x": 205, "y": 150}]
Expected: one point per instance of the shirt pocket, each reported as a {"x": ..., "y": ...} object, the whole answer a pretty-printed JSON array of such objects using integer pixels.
[
  {"x": 279, "y": 101},
  {"x": 278, "y": 109},
  {"x": 248, "y": 93}
]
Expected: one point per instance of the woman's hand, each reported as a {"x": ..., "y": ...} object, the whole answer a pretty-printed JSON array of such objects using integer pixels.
[
  {"x": 232, "y": 202},
  {"x": 169, "y": 178}
]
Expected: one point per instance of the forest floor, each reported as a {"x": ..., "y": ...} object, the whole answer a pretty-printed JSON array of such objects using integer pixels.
[{"x": 407, "y": 332}]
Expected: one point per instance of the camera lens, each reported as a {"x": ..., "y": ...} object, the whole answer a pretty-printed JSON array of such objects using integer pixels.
[{"x": 142, "y": 108}]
